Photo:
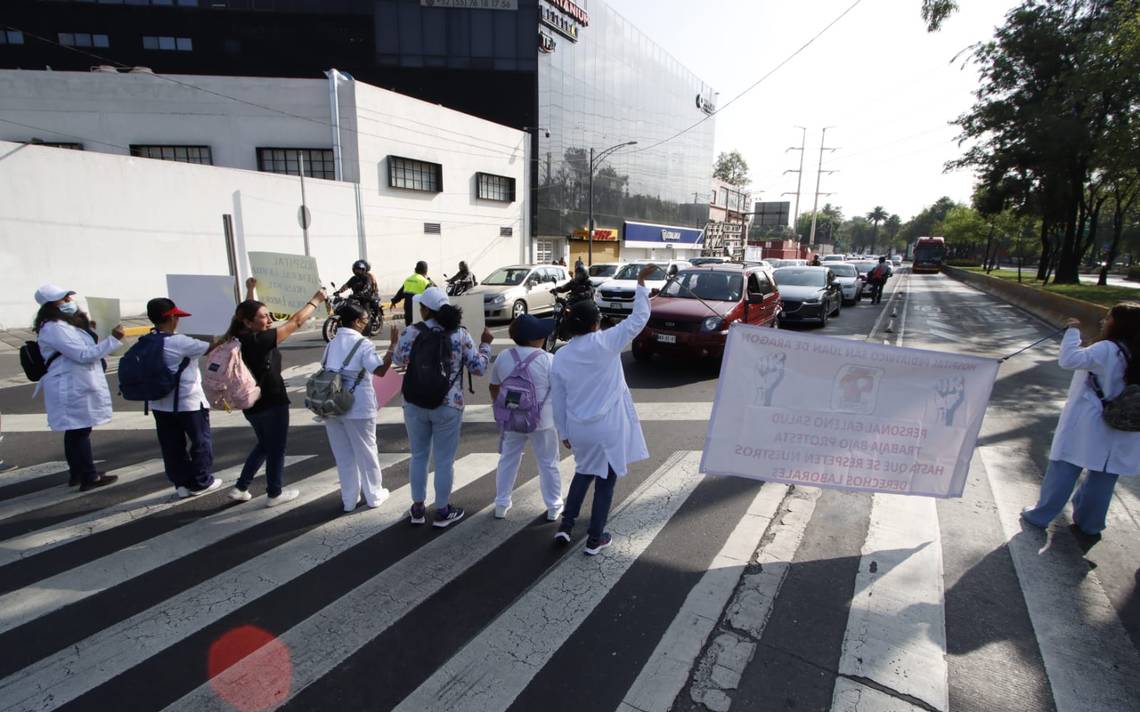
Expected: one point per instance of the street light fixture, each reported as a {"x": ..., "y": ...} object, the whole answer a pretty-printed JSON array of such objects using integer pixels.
[{"x": 594, "y": 160}]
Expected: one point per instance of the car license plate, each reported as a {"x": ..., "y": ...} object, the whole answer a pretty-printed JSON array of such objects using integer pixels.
[{"x": 667, "y": 338}]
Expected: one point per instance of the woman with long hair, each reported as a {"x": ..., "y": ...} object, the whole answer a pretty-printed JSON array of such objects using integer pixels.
[
  {"x": 253, "y": 327},
  {"x": 433, "y": 428},
  {"x": 76, "y": 395},
  {"x": 1083, "y": 440}
]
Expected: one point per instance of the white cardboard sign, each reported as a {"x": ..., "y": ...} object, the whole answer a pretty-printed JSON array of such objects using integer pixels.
[
  {"x": 209, "y": 298},
  {"x": 827, "y": 412},
  {"x": 473, "y": 317},
  {"x": 284, "y": 282},
  {"x": 106, "y": 313}
]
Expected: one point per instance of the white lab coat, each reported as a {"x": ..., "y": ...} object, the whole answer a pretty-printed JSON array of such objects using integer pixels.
[
  {"x": 75, "y": 389},
  {"x": 191, "y": 397},
  {"x": 593, "y": 408},
  {"x": 1082, "y": 437}
]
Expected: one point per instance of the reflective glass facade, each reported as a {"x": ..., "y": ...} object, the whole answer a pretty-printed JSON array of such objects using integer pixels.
[{"x": 615, "y": 85}]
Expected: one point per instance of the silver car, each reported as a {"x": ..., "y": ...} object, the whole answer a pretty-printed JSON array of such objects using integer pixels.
[
  {"x": 512, "y": 291},
  {"x": 847, "y": 277}
]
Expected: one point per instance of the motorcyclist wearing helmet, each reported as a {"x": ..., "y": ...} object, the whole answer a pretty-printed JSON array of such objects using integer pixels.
[
  {"x": 363, "y": 284},
  {"x": 463, "y": 277},
  {"x": 579, "y": 287}
]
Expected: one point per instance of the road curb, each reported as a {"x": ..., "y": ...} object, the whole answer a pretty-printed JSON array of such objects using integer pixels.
[{"x": 1053, "y": 309}]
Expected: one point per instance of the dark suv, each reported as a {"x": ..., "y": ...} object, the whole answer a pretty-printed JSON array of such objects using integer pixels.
[{"x": 693, "y": 311}]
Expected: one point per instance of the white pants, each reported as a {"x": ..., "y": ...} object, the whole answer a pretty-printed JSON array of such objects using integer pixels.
[
  {"x": 353, "y": 444},
  {"x": 545, "y": 444}
]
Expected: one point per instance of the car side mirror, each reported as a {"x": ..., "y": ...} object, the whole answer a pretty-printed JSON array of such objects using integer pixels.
[{"x": 756, "y": 297}]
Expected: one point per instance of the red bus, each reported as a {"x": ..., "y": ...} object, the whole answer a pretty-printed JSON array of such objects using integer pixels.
[{"x": 928, "y": 254}]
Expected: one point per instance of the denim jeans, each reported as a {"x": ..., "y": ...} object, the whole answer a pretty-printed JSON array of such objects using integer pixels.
[
  {"x": 603, "y": 498},
  {"x": 434, "y": 432},
  {"x": 1090, "y": 503},
  {"x": 271, "y": 426},
  {"x": 189, "y": 468},
  {"x": 77, "y": 451}
]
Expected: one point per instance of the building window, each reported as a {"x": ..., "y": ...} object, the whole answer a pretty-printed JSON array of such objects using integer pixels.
[
  {"x": 492, "y": 187},
  {"x": 11, "y": 37},
  {"x": 180, "y": 154},
  {"x": 318, "y": 162},
  {"x": 56, "y": 144},
  {"x": 81, "y": 39},
  {"x": 415, "y": 175},
  {"x": 433, "y": 229},
  {"x": 168, "y": 44},
  {"x": 506, "y": 232},
  {"x": 713, "y": 201},
  {"x": 543, "y": 251}
]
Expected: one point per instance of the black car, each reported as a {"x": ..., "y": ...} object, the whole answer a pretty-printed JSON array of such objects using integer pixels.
[{"x": 808, "y": 294}]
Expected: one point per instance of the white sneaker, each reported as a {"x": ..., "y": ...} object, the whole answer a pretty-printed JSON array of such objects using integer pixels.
[
  {"x": 286, "y": 496},
  {"x": 181, "y": 492},
  {"x": 239, "y": 495},
  {"x": 196, "y": 493},
  {"x": 552, "y": 514},
  {"x": 381, "y": 497},
  {"x": 501, "y": 512},
  {"x": 352, "y": 507}
]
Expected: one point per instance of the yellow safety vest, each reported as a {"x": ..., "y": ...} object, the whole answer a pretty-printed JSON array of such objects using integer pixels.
[{"x": 416, "y": 284}]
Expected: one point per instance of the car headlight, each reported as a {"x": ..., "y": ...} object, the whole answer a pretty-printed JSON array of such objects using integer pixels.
[
  {"x": 501, "y": 299},
  {"x": 814, "y": 301},
  {"x": 712, "y": 323}
]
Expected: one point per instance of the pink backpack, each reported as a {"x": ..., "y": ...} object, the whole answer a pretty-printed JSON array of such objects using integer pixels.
[{"x": 226, "y": 381}]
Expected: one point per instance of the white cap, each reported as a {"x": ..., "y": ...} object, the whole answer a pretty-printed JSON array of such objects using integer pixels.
[
  {"x": 433, "y": 298},
  {"x": 51, "y": 293}
]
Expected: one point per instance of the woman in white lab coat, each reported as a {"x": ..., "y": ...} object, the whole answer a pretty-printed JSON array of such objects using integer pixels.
[
  {"x": 1083, "y": 440},
  {"x": 76, "y": 395},
  {"x": 594, "y": 413}
]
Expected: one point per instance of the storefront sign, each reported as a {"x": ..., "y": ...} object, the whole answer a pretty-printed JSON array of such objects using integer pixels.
[
  {"x": 473, "y": 4},
  {"x": 651, "y": 236},
  {"x": 580, "y": 16},
  {"x": 602, "y": 234},
  {"x": 546, "y": 43},
  {"x": 558, "y": 22},
  {"x": 667, "y": 235}
]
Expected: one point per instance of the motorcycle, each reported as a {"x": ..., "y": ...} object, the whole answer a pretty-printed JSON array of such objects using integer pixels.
[
  {"x": 375, "y": 317},
  {"x": 454, "y": 289},
  {"x": 561, "y": 304}
]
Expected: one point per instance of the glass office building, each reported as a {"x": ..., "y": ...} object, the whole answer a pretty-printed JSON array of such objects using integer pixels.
[{"x": 575, "y": 73}]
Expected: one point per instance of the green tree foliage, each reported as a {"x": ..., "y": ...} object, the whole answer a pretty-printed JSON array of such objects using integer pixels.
[
  {"x": 935, "y": 12},
  {"x": 827, "y": 225},
  {"x": 732, "y": 169},
  {"x": 876, "y": 217}
]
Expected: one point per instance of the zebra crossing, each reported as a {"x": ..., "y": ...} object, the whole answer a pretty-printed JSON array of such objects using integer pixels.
[{"x": 360, "y": 610}]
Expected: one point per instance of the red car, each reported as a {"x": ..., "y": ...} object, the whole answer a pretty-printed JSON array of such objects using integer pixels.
[{"x": 692, "y": 312}]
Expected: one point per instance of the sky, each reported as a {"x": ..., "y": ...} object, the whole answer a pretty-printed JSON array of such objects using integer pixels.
[{"x": 886, "y": 87}]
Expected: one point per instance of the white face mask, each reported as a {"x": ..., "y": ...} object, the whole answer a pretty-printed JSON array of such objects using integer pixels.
[{"x": 69, "y": 307}]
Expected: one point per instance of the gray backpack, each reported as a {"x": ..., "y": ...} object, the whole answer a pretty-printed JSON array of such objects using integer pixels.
[
  {"x": 1123, "y": 411},
  {"x": 325, "y": 393}
]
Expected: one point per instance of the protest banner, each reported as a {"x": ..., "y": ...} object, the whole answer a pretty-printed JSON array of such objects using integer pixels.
[
  {"x": 208, "y": 297},
  {"x": 827, "y": 412},
  {"x": 106, "y": 313},
  {"x": 387, "y": 387},
  {"x": 284, "y": 282},
  {"x": 473, "y": 318}
]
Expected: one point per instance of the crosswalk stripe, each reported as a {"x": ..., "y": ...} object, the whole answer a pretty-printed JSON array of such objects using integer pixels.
[
  {"x": 37, "y": 542},
  {"x": 85, "y": 580},
  {"x": 491, "y": 670},
  {"x": 667, "y": 669},
  {"x": 32, "y": 472},
  {"x": 851, "y": 696},
  {"x": 391, "y": 415},
  {"x": 1076, "y": 625},
  {"x": 896, "y": 630},
  {"x": 55, "y": 495},
  {"x": 75, "y": 670},
  {"x": 324, "y": 640}
]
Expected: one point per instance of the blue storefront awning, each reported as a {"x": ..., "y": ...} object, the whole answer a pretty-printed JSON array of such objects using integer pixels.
[{"x": 652, "y": 236}]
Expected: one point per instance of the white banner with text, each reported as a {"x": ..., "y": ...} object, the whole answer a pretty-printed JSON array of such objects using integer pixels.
[{"x": 827, "y": 412}]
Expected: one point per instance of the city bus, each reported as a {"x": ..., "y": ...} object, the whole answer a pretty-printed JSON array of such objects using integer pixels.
[{"x": 928, "y": 254}]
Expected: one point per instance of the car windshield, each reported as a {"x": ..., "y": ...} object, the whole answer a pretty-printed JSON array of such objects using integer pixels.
[
  {"x": 864, "y": 267},
  {"x": 801, "y": 277},
  {"x": 509, "y": 276},
  {"x": 833, "y": 258},
  {"x": 708, "y": 285},
  {"x": 631, "y": 271},
  {"x": 843, "y": 270},
  {"x": 603, "y": 270}
]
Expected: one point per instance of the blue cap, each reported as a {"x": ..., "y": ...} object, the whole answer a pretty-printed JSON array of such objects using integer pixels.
[{"x": 530, "y": 328}]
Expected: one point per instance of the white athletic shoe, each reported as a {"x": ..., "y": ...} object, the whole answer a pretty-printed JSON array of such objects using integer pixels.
[
  {"x": 501, "y": 512},
  {"x": 381, "y": 497},
  {"x": 181, "y": 492},
  {"x": 286, "y": 496},
  {"x": 552, "y": 514},
  {"x": 196, "y": 493},
  {"x": 239, "y": 495}
]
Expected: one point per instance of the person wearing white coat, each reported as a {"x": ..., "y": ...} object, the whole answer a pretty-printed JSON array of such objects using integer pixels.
[
  {"x": 1083, "y": 440},
  {"x": 76, "y": 395},
  {"x": 352, "y": 436},
  {"x": 594, "y": 413}
]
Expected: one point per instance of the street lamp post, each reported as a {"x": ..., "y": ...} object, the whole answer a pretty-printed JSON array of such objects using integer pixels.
[{"x": 594, "y": 160}]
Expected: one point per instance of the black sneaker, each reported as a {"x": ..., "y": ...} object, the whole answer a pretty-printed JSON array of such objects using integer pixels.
[
  {"x": 418, "y": 514},
  {"x": 593, "y": 546},
  {"x": 562, "y": 539},
  {"x": 446, "y": 517},
  {"x": 100, "y": 481}
]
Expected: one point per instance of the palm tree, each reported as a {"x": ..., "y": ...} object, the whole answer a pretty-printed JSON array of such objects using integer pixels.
[{"x": 876, "y": 217}]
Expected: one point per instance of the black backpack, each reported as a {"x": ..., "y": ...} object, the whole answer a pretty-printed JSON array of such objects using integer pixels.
[
  {"x": 32, "y": 361},
  {"x": 143, "y": 375},
  {"x": 428, "y": 377}
]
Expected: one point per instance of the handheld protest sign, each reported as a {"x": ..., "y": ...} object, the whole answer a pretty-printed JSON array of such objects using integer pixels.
[
  {"x": 828, "y": 412},
  {"x": 284, "y": 282},
  {"x": 106, "y": 313},
  {"x": 387, "y": 387},
  {"x": 209, "y": 298}
]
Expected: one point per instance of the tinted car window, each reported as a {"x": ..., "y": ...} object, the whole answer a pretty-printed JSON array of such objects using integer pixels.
[
  {"x": 710, "y": 286},
  {"x": 507, "y": 276},
  {"x": 801, "y": 277},
  {"x": 603, "y": 270},
  {"x": 631, "y": 272},
  {"x": 843, "y": 270}
]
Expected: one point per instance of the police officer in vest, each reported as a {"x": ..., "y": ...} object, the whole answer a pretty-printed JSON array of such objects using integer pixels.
[{"x": 413, "y": 285}]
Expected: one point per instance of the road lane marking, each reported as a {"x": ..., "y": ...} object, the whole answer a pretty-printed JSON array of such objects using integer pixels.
[
  {"x": 37, "y": 542},
  {"x": 57, "y": 493},
  {"x": 494, "y": 667},
  {"x": 330, "y": 636}
]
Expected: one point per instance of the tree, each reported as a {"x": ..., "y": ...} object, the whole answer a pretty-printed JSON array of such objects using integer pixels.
[
  {"x": 732, "y": 169},
  {"x": 876, "y": 217},
  {"x": 894, "y": 224},
  {"x": 935, "y": 12}
]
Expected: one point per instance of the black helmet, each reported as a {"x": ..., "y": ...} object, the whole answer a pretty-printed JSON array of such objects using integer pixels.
[
  {"x": 361, "y": 266},
  {"x": 580, "y": 273}
]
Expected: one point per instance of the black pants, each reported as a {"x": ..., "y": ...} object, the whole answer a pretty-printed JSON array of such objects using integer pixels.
[
  {"x": 603, "y": 498},
  {"x": 77, "y": 450},
  {"x": 877, "y": 292},
  {"x": 408, "y": 310},
  {"x": 186, "y": 467}
]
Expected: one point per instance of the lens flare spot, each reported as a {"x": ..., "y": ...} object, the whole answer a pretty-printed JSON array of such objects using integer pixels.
[{"x": 250, "y": 669}]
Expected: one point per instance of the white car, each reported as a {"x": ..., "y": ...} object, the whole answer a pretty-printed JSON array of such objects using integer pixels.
[
  {"x": 847, "y": 277},
  {"x": 897, "y": 260},
  {"x": 603, "y": 272},
  {"x": 615, "y": 297},
  {"x": 834, "y": 258}
]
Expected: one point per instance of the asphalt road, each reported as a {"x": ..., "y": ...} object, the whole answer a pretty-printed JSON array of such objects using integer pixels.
[{"x": 719, "y": 593}]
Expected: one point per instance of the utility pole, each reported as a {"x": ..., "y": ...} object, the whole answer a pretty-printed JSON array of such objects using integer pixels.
[
  {"x": 818, "y": 174},
  {"x": 799, "y": 173},
  {"x": 303, "y": 215}
]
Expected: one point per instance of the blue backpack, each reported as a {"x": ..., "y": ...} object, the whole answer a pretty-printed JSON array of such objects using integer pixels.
[{"x": 143, "y": 375}]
